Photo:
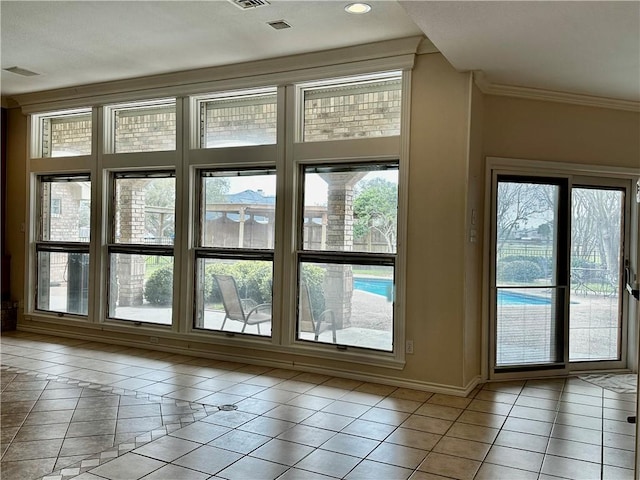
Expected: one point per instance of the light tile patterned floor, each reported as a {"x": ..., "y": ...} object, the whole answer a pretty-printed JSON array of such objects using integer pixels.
[{"x": 86, "y": 410}]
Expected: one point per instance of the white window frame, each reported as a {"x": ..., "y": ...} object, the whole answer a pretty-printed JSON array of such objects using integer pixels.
[
  {"x": 35, "y": 140},
  {"x": 109, "y": 127},
  {"x": 55, "y": 246},
  {"x": 196, "y": 107},
  {"x": 237, "y": 254}
]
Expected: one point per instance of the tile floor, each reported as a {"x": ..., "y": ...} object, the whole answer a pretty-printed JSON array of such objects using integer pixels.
[{"x": 85, "y": 410}]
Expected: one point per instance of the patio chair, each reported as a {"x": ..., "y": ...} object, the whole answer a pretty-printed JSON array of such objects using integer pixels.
[
  {"x": 246, "y": 311},
  {"x": 325, "y": 321}
]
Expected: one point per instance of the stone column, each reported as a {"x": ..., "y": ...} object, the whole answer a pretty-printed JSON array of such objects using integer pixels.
[{"x": 131, "y": 268}]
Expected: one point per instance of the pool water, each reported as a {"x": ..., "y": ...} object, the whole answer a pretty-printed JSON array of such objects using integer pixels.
[
  {"x": 514, "y": 298},
  {"x": 384, "y": 288},
  {"x": 377, "y": 286}
]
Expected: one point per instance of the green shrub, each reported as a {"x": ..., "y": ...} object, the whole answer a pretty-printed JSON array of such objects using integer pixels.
[
  {"x": 211, "y": 292},
  {"x": 544, "y": 262},
  {"x": 519, "y": 271},
  {"x": 313, "y": 276},
  {"x": 159, "y": 287},
  {"x": 253, "y": 280}
]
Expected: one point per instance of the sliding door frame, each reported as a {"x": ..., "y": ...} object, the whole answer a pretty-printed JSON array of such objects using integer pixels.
[{"x": 578, "y": 176}]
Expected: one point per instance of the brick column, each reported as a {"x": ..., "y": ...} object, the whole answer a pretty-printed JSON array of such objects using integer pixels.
[
  {"x": 338, "y": 280},
  {"x": 131, "y": 268}
]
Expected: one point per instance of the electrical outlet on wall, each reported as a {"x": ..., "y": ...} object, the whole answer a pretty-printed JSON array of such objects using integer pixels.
[{"x": 409, "y": 347}]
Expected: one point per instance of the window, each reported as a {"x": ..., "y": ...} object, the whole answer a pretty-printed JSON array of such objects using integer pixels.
[
  {"x": 234, "y": 260},
  {"x": 142, "y": 126},
  {"x": 62, "y": 134},
  {"x": 56, "y": 206},
  {"x": 347, "y": 255},
  {"x": 357, "y": 107},
  {"x": 62, "y": 248},
  {"x": 237, "y": 119},
  {"x": 186, "y": 236},
  {"x": 141, "y": 248}
]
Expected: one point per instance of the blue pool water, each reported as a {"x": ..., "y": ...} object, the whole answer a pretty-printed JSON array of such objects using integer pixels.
[
  {"x": 378, "y": 286},
  {"x": 383, "y": 287},
  {"x": 514, "y": 298}
]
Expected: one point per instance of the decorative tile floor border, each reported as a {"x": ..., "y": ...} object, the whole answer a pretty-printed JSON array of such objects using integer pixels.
[{"x": 97, "y": 459}]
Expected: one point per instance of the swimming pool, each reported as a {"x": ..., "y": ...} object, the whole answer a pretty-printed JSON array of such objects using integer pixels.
[
  {"x": 384, "y": 287},
  {"x": 377, "y": 286},
  {"x": 515, "y": 298}
]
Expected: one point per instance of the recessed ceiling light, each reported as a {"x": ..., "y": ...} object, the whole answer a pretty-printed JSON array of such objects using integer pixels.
[{"x": 358, "y": 8}]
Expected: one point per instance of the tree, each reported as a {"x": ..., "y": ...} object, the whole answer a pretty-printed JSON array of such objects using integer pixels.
[
  {"x": 215, "y": 189},
  {"x": 518, "y": 203},
  {"x": 596, "y": 228},
  {"x": 160, "y": 199},
  {"x": 375, "y": 208}
]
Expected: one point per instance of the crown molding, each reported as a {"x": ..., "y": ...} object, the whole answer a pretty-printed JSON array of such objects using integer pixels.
[
  {"x": 551, "y": 96},
  {"x": 292, "y": 68},
  {"x": 426, "y": 46}
]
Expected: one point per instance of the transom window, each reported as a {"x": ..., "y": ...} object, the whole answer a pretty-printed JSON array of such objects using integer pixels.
[
  {"x": 141, "y": 126},
  {"x": 62, "y": 134},
  {"x": 350, "y": 108},
  {"x": 237, "y": 118}
]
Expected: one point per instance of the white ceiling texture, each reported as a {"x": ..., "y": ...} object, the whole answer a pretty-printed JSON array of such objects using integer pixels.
[{"x": 588, "y": 48}]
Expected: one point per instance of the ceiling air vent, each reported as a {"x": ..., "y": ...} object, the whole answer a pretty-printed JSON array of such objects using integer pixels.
[
  {"x": 279, "y": 24},
  {"x": 21, "y": 71},
  {"x": 246, "y": 4}
]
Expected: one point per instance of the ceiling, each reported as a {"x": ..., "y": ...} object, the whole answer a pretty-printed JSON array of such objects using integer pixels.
[{"x": 589, "y": 48}]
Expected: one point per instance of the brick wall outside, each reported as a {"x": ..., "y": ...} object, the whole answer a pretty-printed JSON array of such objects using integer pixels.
[
  {"x": 145, "y": 130},
  {"x": 250, "y": 121},
  {"x": 66, "y": 136},
  {"x": 359, "y": 111},
  {"x": 64, "y": 226}
]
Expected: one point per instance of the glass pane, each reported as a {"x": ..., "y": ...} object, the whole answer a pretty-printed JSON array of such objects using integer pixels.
[
  {"x": 234, "y": 295},
  {"x": 238, "y": 121},
  {"x": 63, "y": 282},
  {"x": 145, "y": 210},
  {"x": 145, "y": 127},
  {"x": 239, "y": 210},
  {"x": 527, "y": 323},
  {"x": 141, "y": 288},
  {"x": 527, "y": 327},
  {"x": 66, "y": 135},
  {"x": 65, "y": 210},
  {"x": 594, "y": 327},
  {"x": 526, "y": 234},
  {"x": 355, "y": 210},
  {"x": 353, "y": 110},
  {"x": 352, "y": 302}
]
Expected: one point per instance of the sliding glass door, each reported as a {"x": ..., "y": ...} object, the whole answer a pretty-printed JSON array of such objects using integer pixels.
[
  {"x": 557, "y": 257},
  {"x": 597, "y": 233}
]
